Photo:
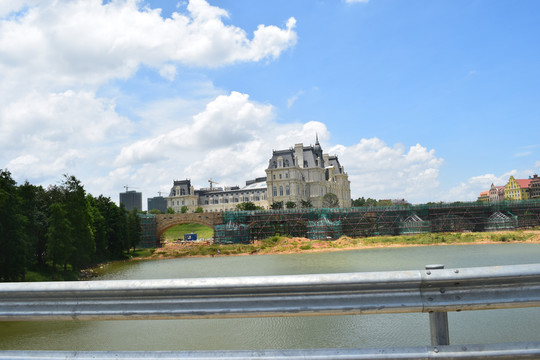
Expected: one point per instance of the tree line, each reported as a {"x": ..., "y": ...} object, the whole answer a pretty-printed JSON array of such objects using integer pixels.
[{"x": 59, "y": 229}]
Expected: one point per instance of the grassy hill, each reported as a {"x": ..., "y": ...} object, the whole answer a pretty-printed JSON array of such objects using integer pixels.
[{"x": 178, "y": 231}]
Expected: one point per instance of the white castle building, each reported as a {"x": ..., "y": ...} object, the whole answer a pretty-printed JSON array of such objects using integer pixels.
[{"x": 301, "y": 175}]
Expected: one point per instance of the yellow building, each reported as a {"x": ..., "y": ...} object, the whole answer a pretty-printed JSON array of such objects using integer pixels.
[{"x": 517, "y": 189}]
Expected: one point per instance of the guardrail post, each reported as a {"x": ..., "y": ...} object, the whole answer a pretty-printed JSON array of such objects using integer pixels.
[{"x": 438, "y": 321}]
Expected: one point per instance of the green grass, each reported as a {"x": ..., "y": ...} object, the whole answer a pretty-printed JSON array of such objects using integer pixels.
[{"x": 178, "y": 231}]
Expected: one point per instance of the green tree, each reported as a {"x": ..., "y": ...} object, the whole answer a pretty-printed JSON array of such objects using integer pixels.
[
  {"x": 80, "y": 218},
  {"x": 359, "y": 202},
  {"x": 35, "y": 208},
  {"x": 59, "y": 241},
  {"x": 246, "y": 206},
  {"x": 199, "y": 210},
  {"x": 330, "y": 200},
  {"x": 370, "y": 202},
  {"x": 290, "y": 205},
  {"x": 276, "y": 205},
  {"x": 306, "y": 204},
  {"x": 118, "y": 242},
  {"x": 155, "y": 212},
  {"x": 100, "y": 226},
  {"x": 184, "y": 209},
  {"x": 170, "y": 210},
  {"x": 13, "y": 238},
  {"x": 133, "y": 227}
]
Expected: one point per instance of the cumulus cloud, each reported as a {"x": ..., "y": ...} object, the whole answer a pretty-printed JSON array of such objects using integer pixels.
[
  {"x": 43, "y": 120},
  {"x": 380, "y": 171},
  {"x": 228, "y": 119},
  {"x": 87, "y": 41},
  {"x": 56, "y": 57}
]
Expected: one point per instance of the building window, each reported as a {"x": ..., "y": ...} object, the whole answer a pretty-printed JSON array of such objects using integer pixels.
[
  {"x": 287, "y": 190},
  {"x": 280, "y": 176},
  {"x": 281, "y": 191},
  {"x": 274, "y": 191}
]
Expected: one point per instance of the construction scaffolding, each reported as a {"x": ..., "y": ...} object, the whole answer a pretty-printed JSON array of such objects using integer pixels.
[
  {"x": 324, "y": 229},
  {"x": 414, "y": 225},
  {"x": 384, "y": 220},
  {"x": 148, "y": 231},
  {"x": 500, "y": 221},
  {"x": 231, "y": 233}
]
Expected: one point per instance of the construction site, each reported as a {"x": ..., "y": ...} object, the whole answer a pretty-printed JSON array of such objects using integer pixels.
[{"x": 332, "y": 223}]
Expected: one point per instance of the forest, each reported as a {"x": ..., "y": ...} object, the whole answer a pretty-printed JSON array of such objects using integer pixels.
[{"x": 59, "y": 230}]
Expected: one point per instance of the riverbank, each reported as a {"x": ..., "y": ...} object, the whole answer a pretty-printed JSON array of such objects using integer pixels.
[{"x": 293, "y": 245}]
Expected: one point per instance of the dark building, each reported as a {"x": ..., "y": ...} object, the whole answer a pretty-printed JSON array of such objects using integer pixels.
[
  {"x": 157, "y": 203},
  {"x": 534, "y": 187},
  {"x": 131, "y": 199}
]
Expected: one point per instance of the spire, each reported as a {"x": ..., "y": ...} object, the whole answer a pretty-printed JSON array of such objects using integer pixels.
[{"x": 317, "y": 145}]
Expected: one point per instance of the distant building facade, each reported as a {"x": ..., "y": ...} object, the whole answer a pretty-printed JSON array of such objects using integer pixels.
[
  {"x": 131, "y": 199},
  {"x": 216, "y": 199},
  {"x": 517, "y": 189},
  {"x": 157, "y": 203},
  {"x": 484, "y": 196},
  {"x": 496, "y": 193},
  {"x": 534, "y": 187},
  {"x": 302, "y": 173},
  {"x": 305, "y": 173}
]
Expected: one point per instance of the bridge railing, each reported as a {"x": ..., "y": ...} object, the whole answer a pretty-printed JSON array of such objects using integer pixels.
[{"x": 433, "y": 290}]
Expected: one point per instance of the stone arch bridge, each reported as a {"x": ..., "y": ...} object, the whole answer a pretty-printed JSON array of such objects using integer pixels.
[{"x": 166, "y": 221}]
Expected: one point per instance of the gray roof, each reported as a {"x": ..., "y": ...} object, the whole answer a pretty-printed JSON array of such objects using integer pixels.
[{"x": 311, "y": 154}]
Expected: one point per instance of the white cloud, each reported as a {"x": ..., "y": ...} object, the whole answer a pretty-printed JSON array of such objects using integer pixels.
[
  {"x": 356, "y": 1},
  {"x": 55, "y": 57},
  {"x": 45, "y": 120},
  {"x": 292, "y": 99},
  {"x": 69, "y": 43},
  {"x": 168, "y": 72},
  {"x": 537, "y": 164},
  {"x": 47, "y": 135},
  {"x": 228, "y": 119},
  {"x": 379, "y": 171}
]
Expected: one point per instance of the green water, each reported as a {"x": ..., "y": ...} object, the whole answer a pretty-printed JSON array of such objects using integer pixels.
[{"x": 286, "y": 332}]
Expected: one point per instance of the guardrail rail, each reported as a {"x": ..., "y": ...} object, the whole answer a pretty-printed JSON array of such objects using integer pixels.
[{"x": 434, "y": 290}]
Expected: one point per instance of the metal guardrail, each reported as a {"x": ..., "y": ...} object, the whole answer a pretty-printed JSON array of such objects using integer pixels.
[{"x": 433, "y": 290}]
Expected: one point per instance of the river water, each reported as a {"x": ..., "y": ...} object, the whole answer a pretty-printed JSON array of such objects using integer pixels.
[{"x": 392, "y": 330}]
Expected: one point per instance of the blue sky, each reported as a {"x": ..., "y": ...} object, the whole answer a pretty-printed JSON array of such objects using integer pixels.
[{"x": 422, "y": 100}]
